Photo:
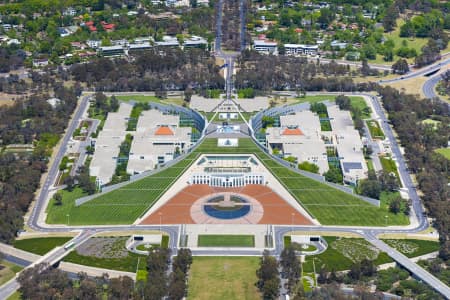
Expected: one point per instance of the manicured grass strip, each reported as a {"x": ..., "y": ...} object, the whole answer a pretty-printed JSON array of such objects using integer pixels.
[
  {"x": 40, "y": 246},
  {"x": 223, "y": 278},
  {"x": 375, "y": 130},
  {"x": 127, "y": 264},
  {"x": 389, "y": 166},
  {"x": 219, "y": 240},
  {"x": 8, "y": 271}
]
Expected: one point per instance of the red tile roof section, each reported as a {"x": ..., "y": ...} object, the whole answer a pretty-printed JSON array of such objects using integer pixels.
[
  {"x": 292, "y": 131},
  {"x": 164, "y": 130}
]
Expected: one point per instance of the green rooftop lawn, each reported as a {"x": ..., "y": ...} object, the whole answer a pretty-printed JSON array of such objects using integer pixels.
[{"x": 125, "y": 205}]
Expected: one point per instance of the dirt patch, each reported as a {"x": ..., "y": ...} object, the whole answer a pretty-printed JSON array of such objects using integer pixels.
[{"x": 104, "y": 247}]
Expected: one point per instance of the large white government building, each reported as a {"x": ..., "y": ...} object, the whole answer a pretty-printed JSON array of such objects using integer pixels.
[
  {"x": 157, "y": 140},
  {"x": 300, "y": 136},
  {"x": 227, "y": 171}
]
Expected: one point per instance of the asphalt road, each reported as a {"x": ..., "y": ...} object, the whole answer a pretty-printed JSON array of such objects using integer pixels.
[
  {"x": 369, "y": 233},
  {"x": 54, "y": 168},
  {"x": 423, "y": 71}
]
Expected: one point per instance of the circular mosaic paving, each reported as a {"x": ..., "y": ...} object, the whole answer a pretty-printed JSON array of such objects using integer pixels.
[{"x": 224, "y": 208}]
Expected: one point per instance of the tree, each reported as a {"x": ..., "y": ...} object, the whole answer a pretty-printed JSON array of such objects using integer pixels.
[
  {"x": 310, "y": 167},
  {"x": 334, "y": 174},
  {"x": 57, "y": 198},
  {"x": 370, "y": 188},
  {"x": 400, "y": 67},
  {"x": 268, "y": 279},
  {"x": 390, "y": 18},
  {"x": 114, "y": 103},
  {"x": 343, "y": 102},
  {"x": 267, "y": 121},
  {"x": 395, "y": 205},
  {"x": 188, "y": 92},
  {"x": 69, "y": 181}
]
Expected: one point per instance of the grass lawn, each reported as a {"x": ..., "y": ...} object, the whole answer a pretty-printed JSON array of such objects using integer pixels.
[
  {"x": 360, "y": 102},
  {"x": 143, "y": 99},
  {"x": 124, "y": 205},
  {"x": 219, "y": 240},
  {"x": 127, "y": 264},
  {"x": 389, "y": 166},
  {"x": 8, "y": 271},
  {"x": 370, "y": 164},
  {"x": 341, "y": 253},
  {"x": 375, "y": 129},
  {"x": 413, "y": 248},
  {"x": 40, "y": 245},
  {"x": 15, "y": 296},
  {"x": 445, "y": 152},
  {"x": 223, "y": 278}
]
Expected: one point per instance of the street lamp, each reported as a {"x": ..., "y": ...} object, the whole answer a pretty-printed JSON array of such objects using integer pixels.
[
  {"x": 68, "y": 219},
  {"x": 292, "y": 221}
]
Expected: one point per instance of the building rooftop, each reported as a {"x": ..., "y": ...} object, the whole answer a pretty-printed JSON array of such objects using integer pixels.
[
  {"x": 164, "y": 130},
  {"x": 292, "y": 131}
]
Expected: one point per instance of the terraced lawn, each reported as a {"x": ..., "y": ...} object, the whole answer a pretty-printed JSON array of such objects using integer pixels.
[{"x": 123, "y": 206}]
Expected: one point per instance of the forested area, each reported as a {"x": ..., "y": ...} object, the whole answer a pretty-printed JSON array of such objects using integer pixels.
[
  {"x": 432, "y": 170},
  {"x": 46, "y": 282},
  {"x": 172, "y": 69},
  {"x": 268, "y": 72},
  {"x": 35, "y": 122}
]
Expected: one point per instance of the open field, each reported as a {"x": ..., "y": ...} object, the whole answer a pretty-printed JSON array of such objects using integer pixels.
[
  {"x": 211, "y": 240},
  {"x": 40, "y": 245},
  {"x": 223, "y": 278},
  {"x": 411, "y": 85},
  {"x": 125, "y": 205},
  {"x": 8, "y": 271},
  {"x": 444, "y": 151},
  {"x": 143, "y": 99}
]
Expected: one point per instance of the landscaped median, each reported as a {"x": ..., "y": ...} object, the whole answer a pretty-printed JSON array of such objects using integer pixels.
[{"x": 342, "y": 252}]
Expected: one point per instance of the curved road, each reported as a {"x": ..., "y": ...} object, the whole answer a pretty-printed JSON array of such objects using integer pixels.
[{"x": 368, "y": 233}]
